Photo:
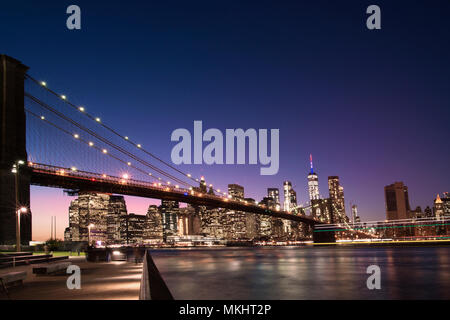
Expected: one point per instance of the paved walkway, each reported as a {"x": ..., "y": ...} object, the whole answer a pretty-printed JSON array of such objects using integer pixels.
[{"x": 114, "y": 280}]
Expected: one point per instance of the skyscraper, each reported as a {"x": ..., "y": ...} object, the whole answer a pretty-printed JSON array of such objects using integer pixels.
[
  {"x": 355, "y": 216},
  {"x": 290, "y": 197},
  {"x": 313, "y": 182},
  {"x": 397, "y": 201},
  {"x": 274, "y": 193},
  {"x": 169, "y": 211},
  {"x": 337, "y": 198},
  {"x": 236, "y": 191}
]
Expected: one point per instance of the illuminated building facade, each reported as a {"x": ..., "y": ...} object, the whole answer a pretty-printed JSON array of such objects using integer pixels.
[
  {"x": 290, "y": 197},
  {"x": 169, "y": 211},
  {"x": 313, "y": 183},
  {"x": 337, "y": 199},
  {"x": 274, "y": 194},
  {"x": 355, "y": 217},
  {"x": 132, "y": 228},
  {"x": 236, "y": 191}
]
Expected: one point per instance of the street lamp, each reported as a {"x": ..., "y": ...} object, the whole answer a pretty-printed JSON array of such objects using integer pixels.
[
  {"x": 18, "y": 212},
  {"x": 89, "y": 232},
  {"x": 15, "y": 170}
]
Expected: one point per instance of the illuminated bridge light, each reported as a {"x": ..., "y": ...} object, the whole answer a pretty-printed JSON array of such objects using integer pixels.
[
  {"x": 76, "y": 136},
  {"x": 177, "y": 186},
  {"x": 43, "y": 83},
  {"x": 42, "y": 118},
  {"x": 91, "y": 144},
  {"x": 81, "y": 109},
  {"x": 125, "y": 176},
  {"x": 189, "y": 175},
  {"x": 63, "y": 97},
  {"x": 168, "y": 182},
  {"x": 97, "y": 119},
  {"x": 73, "y": 169},
  {"x": 126, "y": 138},
  {"x": 149, "y": 173},
  {"x": 105, "y": 151},
  {"x": 129, "y": 163},
  {"x": 104, "y": 175},
  {"x": 138, "y": 145}
]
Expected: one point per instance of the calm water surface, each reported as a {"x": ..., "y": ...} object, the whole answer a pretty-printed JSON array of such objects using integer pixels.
[{"x": 305, "y": 272}]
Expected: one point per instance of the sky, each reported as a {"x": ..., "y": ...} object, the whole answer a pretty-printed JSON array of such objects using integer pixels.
[{"x": 371, "y": 106}]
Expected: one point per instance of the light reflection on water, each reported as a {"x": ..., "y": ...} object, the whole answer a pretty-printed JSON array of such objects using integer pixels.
[{"x": 305, "y": 272}]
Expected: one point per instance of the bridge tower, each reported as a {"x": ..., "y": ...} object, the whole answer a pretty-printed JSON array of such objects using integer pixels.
[{"x": 14, "y": 187}]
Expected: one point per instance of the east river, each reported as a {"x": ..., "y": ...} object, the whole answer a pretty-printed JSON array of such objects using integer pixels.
[{"x": 305, "y": 272}]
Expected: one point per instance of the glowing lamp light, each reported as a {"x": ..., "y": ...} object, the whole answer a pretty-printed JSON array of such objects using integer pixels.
[
  {"x": 97, "y": 119},
  {"x": 105, "y": 151},
  {"x": 73, "y": 169},
  {"x": 189, "y": 175},
  {"x": 116, "y": 253},
  {"x": 125, "y": 176},
  {"x": 81, "y": 109},
  {"x": 126, "y": 138},
  {"x": 91, "y": 144},
  {"x": 129, "y": 163},
  {"x": 23, "y": 210},
  {"x": 76, "y": 136},
  {"x": 42, "y": 118},
  {"x": 63, "y": 97},
  {"x": 43, "y": 83},
  {"x": 138, "y": 145}
]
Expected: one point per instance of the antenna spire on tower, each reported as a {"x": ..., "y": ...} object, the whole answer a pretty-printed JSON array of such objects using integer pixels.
[{"x": 310, "y": 161}]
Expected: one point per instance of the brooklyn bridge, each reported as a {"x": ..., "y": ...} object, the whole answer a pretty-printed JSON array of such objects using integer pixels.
[{"x": 47, "y": 140}]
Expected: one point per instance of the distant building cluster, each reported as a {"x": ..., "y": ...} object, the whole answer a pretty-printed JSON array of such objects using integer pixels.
[
  {"x": 103, "y": 218},
  {"x": 398, "y": 207}
]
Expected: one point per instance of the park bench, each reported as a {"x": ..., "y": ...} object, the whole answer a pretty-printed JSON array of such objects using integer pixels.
[
  {"x": 11, "y": 279},
  {"x": 51, "y": 268}
]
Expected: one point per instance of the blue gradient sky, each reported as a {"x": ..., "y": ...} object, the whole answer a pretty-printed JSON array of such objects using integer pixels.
[{"x": 371, "y": 106}]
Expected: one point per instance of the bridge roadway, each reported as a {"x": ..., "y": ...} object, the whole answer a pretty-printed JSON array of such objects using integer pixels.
[{"x": 52, "y": 176}]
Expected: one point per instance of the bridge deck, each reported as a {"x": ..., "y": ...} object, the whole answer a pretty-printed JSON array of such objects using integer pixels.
[{"x": 51, "y": 176}]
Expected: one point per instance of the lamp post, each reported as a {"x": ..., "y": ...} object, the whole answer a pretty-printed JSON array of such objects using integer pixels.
[
  {"x": 18, "y": 212},
  {"x": 15, "y": 170},
  {"x": 89, "y": 233}
]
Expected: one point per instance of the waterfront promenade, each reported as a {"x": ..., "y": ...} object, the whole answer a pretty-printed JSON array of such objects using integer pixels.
[{"x": 117, "y": 280}]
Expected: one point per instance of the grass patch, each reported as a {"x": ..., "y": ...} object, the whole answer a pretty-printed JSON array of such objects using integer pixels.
[{"x": 62, "y": 253}]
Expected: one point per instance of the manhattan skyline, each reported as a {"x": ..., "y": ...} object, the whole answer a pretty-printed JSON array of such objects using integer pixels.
[{"x": 372, "y": 108}]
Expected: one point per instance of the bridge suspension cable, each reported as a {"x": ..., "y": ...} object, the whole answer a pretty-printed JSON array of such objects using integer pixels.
[
  {"x": 126, "y": 138},
  {"x": 104, "y": 140},
  {"x": 89, "y": 143}
]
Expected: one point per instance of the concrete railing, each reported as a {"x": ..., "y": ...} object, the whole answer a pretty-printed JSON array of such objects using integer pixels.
[{"x": 153, "y": 286}]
